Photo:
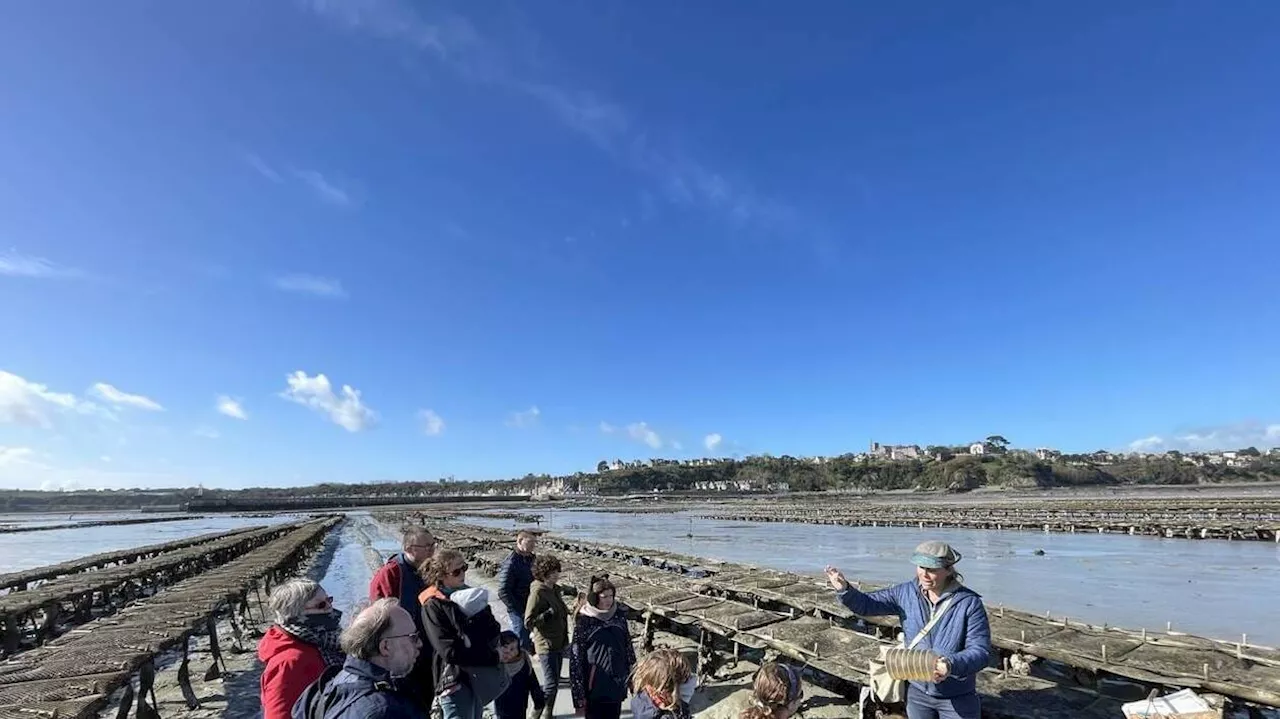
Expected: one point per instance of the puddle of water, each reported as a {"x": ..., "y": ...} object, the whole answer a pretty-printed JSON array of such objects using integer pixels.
[{"x": 35, "y": 549}]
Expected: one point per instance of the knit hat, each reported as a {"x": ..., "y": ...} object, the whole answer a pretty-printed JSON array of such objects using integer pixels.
[{"x": 935, "y": 554}]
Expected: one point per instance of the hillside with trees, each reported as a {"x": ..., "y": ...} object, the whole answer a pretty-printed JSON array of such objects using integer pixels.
[{"x": 941, "y": 468}]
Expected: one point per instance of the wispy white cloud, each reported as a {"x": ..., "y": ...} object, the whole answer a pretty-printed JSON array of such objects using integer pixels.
[
  {"x": 523, "y": 420},
  {"x": 311, "y": 285},
  {"x": 262, "y": 168},
  {"x": 323, "y": 188},
  {"x": 124, "y": 399},
  {"x": 454, "y": 42},
  {"x": 607, "y": 428},
  {"x": 1228, "y": 436},
  {"x": 432, "y": 423},
  {"x": 206, "y": 433},
  {"x": 231, "y": 407},
  {"x": 712, "y": 441},
  {"x": 1146, "y": 444},
  {"x": 33, "y": 404},
  {"x": 14, "y": 264},
  {"x": 642, "y": 432},
  {"x": 346, "y": 411}
]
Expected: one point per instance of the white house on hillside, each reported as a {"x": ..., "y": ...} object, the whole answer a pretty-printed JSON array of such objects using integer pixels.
[{"x": 977, "y": 448}]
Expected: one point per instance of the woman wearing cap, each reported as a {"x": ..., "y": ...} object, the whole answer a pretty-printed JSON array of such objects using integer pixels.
[{"x": 960, "y": 635}]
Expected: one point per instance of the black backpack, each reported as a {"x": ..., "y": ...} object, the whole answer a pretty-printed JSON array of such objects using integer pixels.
[{"x": 314, "y": 704}]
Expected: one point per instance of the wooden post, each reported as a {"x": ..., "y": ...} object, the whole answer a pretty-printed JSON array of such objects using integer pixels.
[
  {"x": 1104, "y": 653},
  {"x": 1206, "y": 672},
  {"x": 1168, "y": 627}
]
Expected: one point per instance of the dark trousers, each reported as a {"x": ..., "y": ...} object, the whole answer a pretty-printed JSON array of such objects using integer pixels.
[
  {"x": 549, "y": 665},
  {"x": 923, "y": 706},
  {"x": 603, "y": 710}
]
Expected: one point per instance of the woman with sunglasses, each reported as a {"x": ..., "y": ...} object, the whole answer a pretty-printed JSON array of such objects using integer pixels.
[
  {"x": 601, "y": 654},
  {"x": 458, "y": 640},
  {"x": 298, "y": 647},
  {"x": 776, "y": 693}
]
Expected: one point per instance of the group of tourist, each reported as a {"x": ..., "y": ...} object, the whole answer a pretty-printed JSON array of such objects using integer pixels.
[{"x": 427, "y": 638}]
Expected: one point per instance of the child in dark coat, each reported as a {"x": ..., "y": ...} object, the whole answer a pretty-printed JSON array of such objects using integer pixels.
[{"x": 514, "y": 702}]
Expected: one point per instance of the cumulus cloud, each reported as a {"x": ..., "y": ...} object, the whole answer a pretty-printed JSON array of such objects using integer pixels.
[
  {"x": 432, "y": 423},
  {"x": 346, "y": 411},
  {"x": 642, "y": 432},
  {"x": 231, "y": 407},
  {"x": 313, "y": 285},
  {"x": 15, "y": 455},
  {"x": 1228, "y": 436},
  {"x": 712, "y": 442},
  {"x": 124, "y": 399},
  {"x": 525, "y": 419},
  {"x": 33, "y": 404}
]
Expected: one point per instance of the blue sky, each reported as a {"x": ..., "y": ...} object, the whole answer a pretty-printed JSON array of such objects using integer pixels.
[{"x": 601, "y": 229}]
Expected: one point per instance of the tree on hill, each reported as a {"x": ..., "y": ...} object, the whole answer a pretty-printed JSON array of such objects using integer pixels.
[{"x": 996, "y": 444}]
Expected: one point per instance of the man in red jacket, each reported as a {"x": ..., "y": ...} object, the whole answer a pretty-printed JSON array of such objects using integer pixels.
[{"x": 399, "y": 579}]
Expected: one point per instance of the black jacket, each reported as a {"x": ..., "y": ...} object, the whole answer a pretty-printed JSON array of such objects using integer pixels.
[
  {"x": 446, "y": 625},
  {"x": 600, "y": 658},
  {"x": 514, "y": 702}
]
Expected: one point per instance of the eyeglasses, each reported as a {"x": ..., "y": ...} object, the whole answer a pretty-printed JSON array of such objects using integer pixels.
[
  {"x": 423, "y": 546},
  {"x": 456, "y": 572},
  {"x": 416, "y": 639}
]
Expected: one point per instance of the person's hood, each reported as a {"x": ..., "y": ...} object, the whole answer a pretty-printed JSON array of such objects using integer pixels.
[
  {"x": 471, "y": 600},
  {"x": 277, "y": 640}
]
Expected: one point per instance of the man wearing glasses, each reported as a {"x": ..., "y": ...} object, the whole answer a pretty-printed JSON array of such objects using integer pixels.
[
  {"x": 382, "y": 646},
  {"x": 400, "y": 579}
]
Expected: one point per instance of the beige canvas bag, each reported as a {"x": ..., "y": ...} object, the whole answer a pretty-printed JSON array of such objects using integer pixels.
[{"x": 883, "y": 686}]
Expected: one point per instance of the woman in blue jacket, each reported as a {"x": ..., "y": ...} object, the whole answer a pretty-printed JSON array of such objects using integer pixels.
[{"x": 961, "y": 636}]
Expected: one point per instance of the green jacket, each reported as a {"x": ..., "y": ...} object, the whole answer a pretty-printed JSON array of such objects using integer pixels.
[{"x": 547, "y": 618}]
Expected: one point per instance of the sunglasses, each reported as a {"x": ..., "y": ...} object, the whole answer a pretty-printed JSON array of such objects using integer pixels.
[
  {"x": 326, "y": 604},
  {"x": 457, "y": 572}
]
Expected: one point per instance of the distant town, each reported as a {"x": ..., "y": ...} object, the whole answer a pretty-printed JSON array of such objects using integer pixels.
[{"x": 994, "y": 445}]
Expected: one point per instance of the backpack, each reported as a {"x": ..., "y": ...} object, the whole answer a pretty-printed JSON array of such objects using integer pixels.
[{"x": 313, "y": 704}]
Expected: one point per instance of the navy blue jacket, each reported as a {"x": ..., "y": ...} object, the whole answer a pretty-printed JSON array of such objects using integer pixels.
[
  {"x": 642, "y": 707},
  {"x": 515, "y": 576},
  {"x": 963, "y": 635},
  {"x": 514, "y": 701},
  {"x": 363, "y": 690}
]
